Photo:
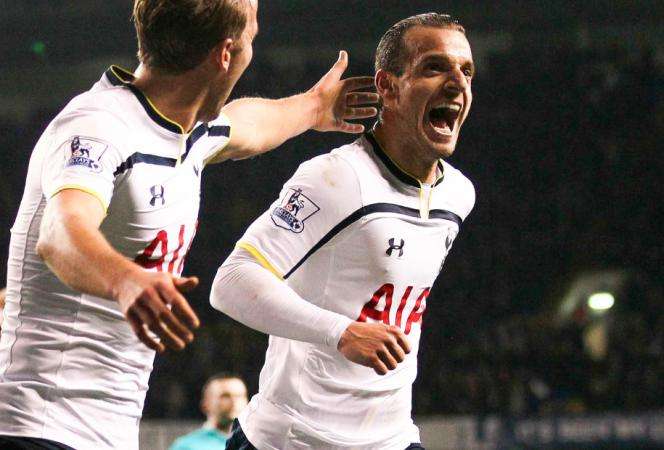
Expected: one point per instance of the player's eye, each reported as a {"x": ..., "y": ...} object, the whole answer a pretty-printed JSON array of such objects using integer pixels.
[{"x": 433, "y": 67}]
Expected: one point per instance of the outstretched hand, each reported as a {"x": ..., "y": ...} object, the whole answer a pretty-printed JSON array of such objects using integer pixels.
[{"x": 341, "y": 100}]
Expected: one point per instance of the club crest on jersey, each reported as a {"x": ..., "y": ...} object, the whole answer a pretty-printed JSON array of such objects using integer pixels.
[
  {"x": 83, "y": 152},
  {"x": 294, "y": 210}
]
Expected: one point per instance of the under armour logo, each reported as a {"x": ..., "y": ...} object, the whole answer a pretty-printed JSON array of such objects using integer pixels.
[
  {"x": 157, "y": 192},
  {"x": 393, "y": 246}
]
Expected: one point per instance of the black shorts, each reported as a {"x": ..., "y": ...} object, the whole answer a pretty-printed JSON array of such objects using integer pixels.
[
  {"x": 29, "y": 443},
  {"x": 239, "y": 441}
]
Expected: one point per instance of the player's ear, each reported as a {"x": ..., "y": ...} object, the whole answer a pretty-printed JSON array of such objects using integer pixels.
[
  {"x": 204, "y": 406},
  {"x": 385, "y": 85},
  {"x": 223, "y": 54}
]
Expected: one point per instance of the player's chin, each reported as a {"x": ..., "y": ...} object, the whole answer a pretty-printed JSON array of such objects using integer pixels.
[{"x": 442, "y": 145}]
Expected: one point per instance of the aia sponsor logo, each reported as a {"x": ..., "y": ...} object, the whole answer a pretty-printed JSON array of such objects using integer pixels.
[{"x": 408, "y": 311}]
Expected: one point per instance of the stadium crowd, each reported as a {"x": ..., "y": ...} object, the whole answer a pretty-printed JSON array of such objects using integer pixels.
[{"x": 563, "y": 148}]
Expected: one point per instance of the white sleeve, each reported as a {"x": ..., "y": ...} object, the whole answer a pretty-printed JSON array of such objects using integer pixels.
[
  {"x": 322, "y": 193},
  {"x": 217, "y": 137},
  {"x": 250, "y": 294},
  {"x": 86, "y": 150}
]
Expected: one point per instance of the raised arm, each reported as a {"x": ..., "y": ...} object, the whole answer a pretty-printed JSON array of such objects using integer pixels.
[
  {"x": 259, "y": 125},
  {"x": 76, "y": 251}
]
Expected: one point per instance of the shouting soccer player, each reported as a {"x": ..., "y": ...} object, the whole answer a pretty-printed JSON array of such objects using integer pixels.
[
  {"x": 339, "y": 268},
  {"x": 110, "y": 207}
]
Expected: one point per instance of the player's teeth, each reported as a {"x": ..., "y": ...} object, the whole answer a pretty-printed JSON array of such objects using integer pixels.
[{"x": 452, "y": 106}]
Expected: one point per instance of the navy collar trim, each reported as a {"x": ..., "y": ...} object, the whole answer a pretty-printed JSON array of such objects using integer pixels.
[
  {"x": 120, "y": 77},
  {"x": 397, "y": 171}
]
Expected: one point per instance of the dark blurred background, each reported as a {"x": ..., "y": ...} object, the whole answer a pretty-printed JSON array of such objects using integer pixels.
[{"x": 551, "y": 301}]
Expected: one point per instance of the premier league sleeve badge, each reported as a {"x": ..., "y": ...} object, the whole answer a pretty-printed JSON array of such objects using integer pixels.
[
  {"x": 295, "y": 208},
  {"x": 86, "y": 152}
]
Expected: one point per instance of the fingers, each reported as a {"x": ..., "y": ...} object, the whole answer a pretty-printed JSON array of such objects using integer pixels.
[
  {"x": 339, "y": 67},
  {"x": 168, "y": 337},
  {"x": 352, "y": 114},
  {"x": 359, "y": 113},
  {"x": 172, "y": 325},
  {"x": 185, "y": 284},
  {"x": 352, "y": 128},
  {"x": 396, "y": 351},
  {"x": 379, "y": 366},
  {"x": 361, "y": 98},
  {"x": 355, "y": 83},
  {"x": 377, "y": 345},
  {"x": 183, "y": 311},
  {"x": 401, "y": 338},
  {"x": 137, "y": 325},
  {"x": 150, "y": 313},
  {"x": 388, "y": 360}
]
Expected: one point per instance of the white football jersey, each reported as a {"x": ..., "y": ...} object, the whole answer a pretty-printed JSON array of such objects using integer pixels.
[
  {"x": 71, "y": 369},
  {"x": 352, "y": 233}
]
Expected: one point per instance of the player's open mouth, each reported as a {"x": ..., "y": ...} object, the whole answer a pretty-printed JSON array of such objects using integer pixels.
[{"x": 443, "y": 117}]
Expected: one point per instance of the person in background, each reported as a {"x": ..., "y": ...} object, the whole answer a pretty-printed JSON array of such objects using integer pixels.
[{"x": 223, "y": 397}]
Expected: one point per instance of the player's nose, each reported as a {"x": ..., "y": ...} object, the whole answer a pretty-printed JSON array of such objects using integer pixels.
[{"x": 456, "y": 81}]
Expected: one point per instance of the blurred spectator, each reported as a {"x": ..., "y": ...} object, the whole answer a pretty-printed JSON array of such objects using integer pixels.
[{"x": 223, "y": 398}]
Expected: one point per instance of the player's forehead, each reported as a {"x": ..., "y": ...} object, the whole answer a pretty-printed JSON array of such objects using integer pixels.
[
  {"x": 233, "y": 386},
  {"x": 423, "y": 42}
]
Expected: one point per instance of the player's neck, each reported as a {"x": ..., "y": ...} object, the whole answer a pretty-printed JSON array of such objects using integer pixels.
[
  {"x": 179, "y": 97},
  {"x": 392, "y": 142}
]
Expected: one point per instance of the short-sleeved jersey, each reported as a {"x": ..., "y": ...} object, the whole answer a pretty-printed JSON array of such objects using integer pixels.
[
  {"x": 71, "y": 369},
  {"x": 352, "y": 233}
]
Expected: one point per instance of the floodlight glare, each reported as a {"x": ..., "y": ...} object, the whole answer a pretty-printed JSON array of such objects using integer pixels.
[{"x": 601, "y": 301}]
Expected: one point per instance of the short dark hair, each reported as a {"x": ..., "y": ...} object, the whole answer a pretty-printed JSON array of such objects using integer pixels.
[
  {"x": 218, "y": 377},
  {"x": 391, "y": 51},
  {"x": 177, "y": 35}
]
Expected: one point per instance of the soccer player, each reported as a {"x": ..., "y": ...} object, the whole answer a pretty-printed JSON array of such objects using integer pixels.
[
  {"x": 224, "y": 396},
  {"x": 109, "y": 212},
  {"x": 338, "y": 269}
]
